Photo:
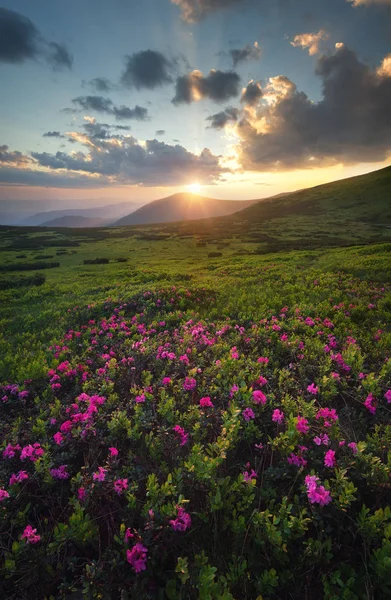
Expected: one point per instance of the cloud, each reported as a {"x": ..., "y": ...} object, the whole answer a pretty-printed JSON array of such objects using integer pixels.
[
  {"x": 20, "y": 40},
  {"x": 364, "y": 2},
  {"x": 221, "y": 119},
  {"x": 251, "y": 93},
  {"x": 195, "y": 10},
  {"x": 247, "y": 53},
  {"x": 311, "y": 41},
  {"x": 99, "y": 84},
  {"x": 160, "y": 132},
  {"x": 53, "y": 134},
  {"x": 146, "y": 69},
  {"x": 100, "y": 104},
  {"x": 59, "y": 56},
  {"x": 350, "y": 124},
  {"x": 217, "y": 85},
  {"x": 14, "y": 157},
  {"x": 31, "y": 177}
]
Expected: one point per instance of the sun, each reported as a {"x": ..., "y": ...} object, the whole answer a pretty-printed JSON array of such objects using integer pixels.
[{"x": 194, "y": 188}]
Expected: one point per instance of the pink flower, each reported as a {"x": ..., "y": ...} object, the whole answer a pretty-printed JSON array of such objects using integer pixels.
[
  {"x": 3, "y": 495},
  {"x": 302, "y": 425},
  {"x": 9, "y": 450},
  {"x": 183, "y": 520},
  {"x": 317, "y": 494},
  {"x": 353, "y": 447},
  {"x": 128, "y": 535},
  {"x": 206, "y": 402},
  {"x": 113, "y": 451},
  {"x": 263, "y": 360},
  {"x": 33, "y": 452},
  {"x": 58, "y": 438},
  {"x": 248, "y": 414},
  {"x": 249, "y": 477},
  {"x": 327, "y": 414},
  {"x": 60, "y": 473},
  {"x": 259, "y": 397},
  {"x": 82, "y": 494},
  {"x": 166, "y": 380},
  {"x": 262, "y": 381},
  {"x": 30, "y": 535},
  {"x": 312, "y": 389},
  {"x": 234, "y": 353},
  {"x": 322, "y": 439},
  {"x": 233, "y": 389},
  {"x": 387, "y": 396},
  {"x": 277, "y": 416},
  {"x": 100, "y": 474},
  {"x": 137, "y": 557},
  {"x": 184, "y": 437},
  {"x": 140, "y": 399},
  {"x": 21, "y": 476},
  {"x": 297, "y": 460},
  {"x": 369, "y": 404},
  {"x": 329, "y": 459},
  {"x": 189, "y": 384},
  {"x": 120, "y": 485}
]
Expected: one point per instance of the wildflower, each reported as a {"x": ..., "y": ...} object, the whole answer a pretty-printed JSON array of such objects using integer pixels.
[
  {"x": 120, "y": 485},
  {"x": 387, "y": 396},
  {"x": 33, "y": 452},
  {"x": 322, "y": 439},
  {"x": 249, "y": 478},
  {"x": 183, "y": 520},
  {"x": 58, "y": 438},
  {"x": 140, "y": 399},
  {"x": 329, "y": 459},
  {"x": 302, "y": 425},
  {"x": 3, "y": 495},
  {"x": 369, "y": 404},
  {"x": 21, "y": 476},
  {"x": 113, "y": 451},
  {"x": 353, "y": 447},
  {"x": 60, "y": 473},
  {"x": 277, "y": 416},
  {"x": 166, "y": 380},
  {"x": 184, "y": 437},
  {"x": 189, "y": 384},
  {"x": 263, "y": 360},
  {"x": 317, "y": 494},
  {"x": 137, "y": 557},
  {"x": 30, "y": 535},
  {"x": 206, "y": 402},
  {"x": 100, "y": 474},
  {"x": 262, "y": 381},
  {"x": 327, "y": 414},
  {"x": 82, "y": 494},
  {"x": 259, "y": 397},
  {"x": 128, "y": 535},
  {"x": 232, "y": 391},
  {"x": 248, "y": 414},
  {"x": 9, "y": 450},
  {"x": 258, "y": 446},
  {"x": 312, "y": 389},
  {"x": 234, "y": 353},
  {"x": 297, "y": 460}
]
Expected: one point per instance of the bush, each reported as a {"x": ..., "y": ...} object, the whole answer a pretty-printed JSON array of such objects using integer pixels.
[
  {"x": 214, "y": 254},
  {"x": 96, "y": 261},
  {"x": 29, "y": 266},
  {"x": 16, "y": 282}
]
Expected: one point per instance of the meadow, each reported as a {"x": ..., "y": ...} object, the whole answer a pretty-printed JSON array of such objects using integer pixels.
[{"x": 191, "y": 414}]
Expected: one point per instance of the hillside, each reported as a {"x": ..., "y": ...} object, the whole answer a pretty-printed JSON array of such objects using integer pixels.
[
  {"x": 182, "y": 207},
  {"x": 108, "y": 214},
  {"x": 75, "y": 221}
]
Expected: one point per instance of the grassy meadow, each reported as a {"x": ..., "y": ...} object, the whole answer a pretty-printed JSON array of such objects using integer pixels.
[{"x": 195, "y": 411}]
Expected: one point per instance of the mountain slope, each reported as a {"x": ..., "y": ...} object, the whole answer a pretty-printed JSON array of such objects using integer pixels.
[
  {"x": 109, "y": 213},
  {"x": 75, "y": 221},
  {"x": 182, "y": 207}
]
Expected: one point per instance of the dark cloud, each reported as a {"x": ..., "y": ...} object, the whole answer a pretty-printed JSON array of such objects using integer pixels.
[
  {"x": 195, "y": 10},
  {"x": 59, "y": 56},
  {"x": 217, "y": 85},
  {"x": 160, "y": 132},
  {"x": 121, "y": 127},
  {"x": 350, "y": 124},
  {"x": 251, "y": 93},
  {"x": 99, "y": 84},
  {"x": 247, "y": 53},
  {"x": 221, "y": 119},
  {"x": 14, "y": 157},
  {"x": 127, "y": 161},
  {"x": 146, "y": 69},
  {"x": 53, "y": 179},
  {"x": 100, "y": 104},
  {"x": 20, "y": 40},
  {"x": 53, "y": 134}
]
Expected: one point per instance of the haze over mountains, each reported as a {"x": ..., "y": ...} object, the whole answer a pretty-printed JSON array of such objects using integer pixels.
[{"x": 183, "y": 207}]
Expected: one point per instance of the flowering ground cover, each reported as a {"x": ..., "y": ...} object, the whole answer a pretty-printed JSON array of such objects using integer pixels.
[{"x": 222, "y": 437}]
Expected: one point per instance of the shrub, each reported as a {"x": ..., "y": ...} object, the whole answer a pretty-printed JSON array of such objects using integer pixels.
[
  {"x": 214, "y": 254},
  {"x": 96, "y": 261},
  {"x": 29, "y": 266}
]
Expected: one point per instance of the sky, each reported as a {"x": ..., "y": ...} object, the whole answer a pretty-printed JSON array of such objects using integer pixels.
[{"x": 236, "y": 99}]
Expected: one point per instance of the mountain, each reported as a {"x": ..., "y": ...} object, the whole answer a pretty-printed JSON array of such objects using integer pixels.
[
  {"x": 105, "y": 214},
  {"x": 182, "y": 207},
  {"x": 75, "y": 221}
]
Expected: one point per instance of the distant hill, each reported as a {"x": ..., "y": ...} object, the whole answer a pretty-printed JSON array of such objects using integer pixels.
[
  {"x": 75, "y": 221},
  {"x": 182, "y": 207},
  {"x": 108, "y": 214}
]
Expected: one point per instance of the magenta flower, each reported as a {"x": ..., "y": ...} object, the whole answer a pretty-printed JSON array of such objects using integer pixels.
[
  {"x": 248, "y": 414},
  {"x": 184, "y": 437},
  {"x": 312, "y": 389},
  {"x": 302, "y": 425},
  {"x": 277, "y": 416},
  {"x": 297, "y": 460},
  {"x": 369, "y": 404},
  {"x": 249, "y": 477},
  {"x": 30, "y": 535},
  {"x": 21, "y": 476},
  {"x": 262, "y": 381},
  {"x": 183, "y": 520},
  {"x": 232, "y": 391},
  {"x": 353, "y": 447},
  {"x": 60, "y": 473},
  {"x": 140, "y": 399},
  {"x": 137, "y": 557},
  {"x": 82, "y": 494},
  {"x": 3, "y": 495},
  {"x": 189, "y": 384},
  {"x": 113, "y": 451},
  {"x": 166, "y": 380},
  {"x": 263, "y": 360},
  {"x": 100, "y": 474},
  {"x": 259, "y": 397},
  {"x": 317, "y": 494},
  {"x": 387, "y": 396},
  {"x": 120, "y": 485},
  {"x": 9, "y": 450},
  {"x": 206, "y": 402},
  {"x": 329, "y": 459},
  {"x": 58, "y": 438}
]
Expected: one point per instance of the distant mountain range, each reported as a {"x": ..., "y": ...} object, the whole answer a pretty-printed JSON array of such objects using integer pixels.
[
  {"x": 182, "y": 207},
  {"x": 75, "y": 221}
]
